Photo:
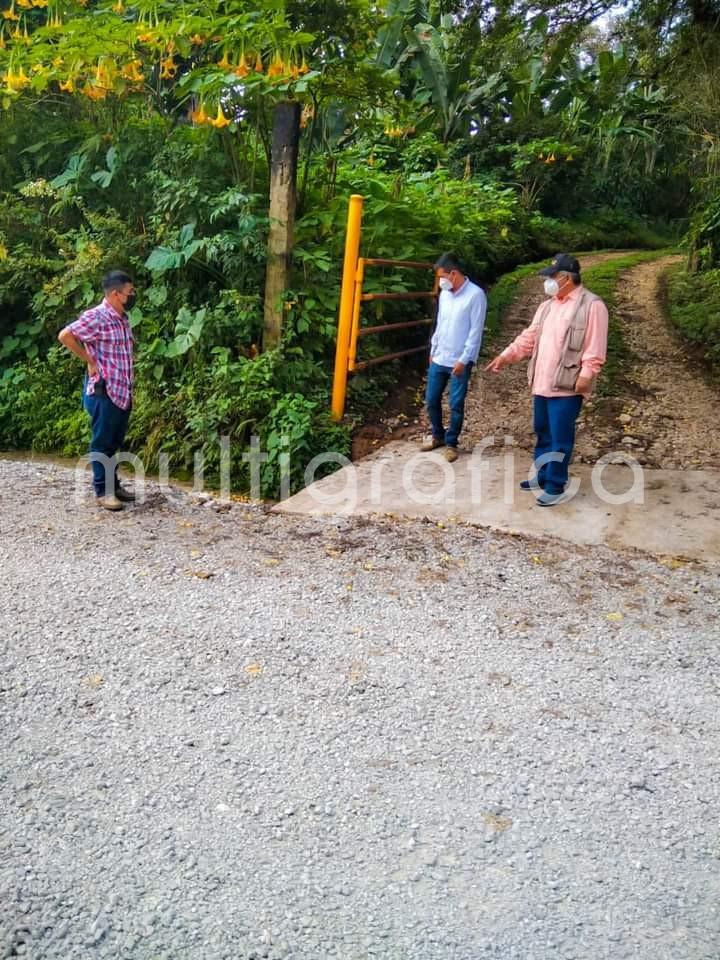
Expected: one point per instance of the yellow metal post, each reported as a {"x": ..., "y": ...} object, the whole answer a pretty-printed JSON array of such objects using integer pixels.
[
  {"x": 345, "y": 316},
  {"x": 355, "y": 328}
]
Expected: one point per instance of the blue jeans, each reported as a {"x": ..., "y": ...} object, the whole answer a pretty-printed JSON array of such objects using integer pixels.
[
  {"x": 554, "y": 425},
  {"x": 437, "y": 381},
  {"x": 109, "y": 424}
]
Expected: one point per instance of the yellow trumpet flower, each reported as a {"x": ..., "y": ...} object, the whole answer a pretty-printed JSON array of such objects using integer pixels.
[
  {"x": 197, "y": 39},
  {"x": 24, "y": 3},
  {"x": 168, "y": 69},
  {"x": 224, "y": 64},
  {"x": 199, "y": 116},
  {"x": 67, "y": 86},
  {"x": 220, "y": 120},
  {"x": 242, "y": 69},
  {"x": 104, "y": 76},
  {"x": 39, "y": 3},
  {"x": 277, "y": 67},
  {"x": 132, "y": 71},
  {"x": 258, "y": 64},
  {"x": 16, "y": 81},
  {"x": 119, "y": 7},
  {"x": 10, "y": 14},
  {"x": 93, "y": 92},
  {"x": 303, "y": 68}
]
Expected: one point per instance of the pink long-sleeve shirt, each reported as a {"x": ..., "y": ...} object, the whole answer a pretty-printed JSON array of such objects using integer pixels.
[{"x": 551, "y": 342}]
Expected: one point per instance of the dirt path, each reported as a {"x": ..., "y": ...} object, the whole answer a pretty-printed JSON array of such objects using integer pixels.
[
  {"x": 664, "y": 410},
  {"x": 662, "y": 407}
]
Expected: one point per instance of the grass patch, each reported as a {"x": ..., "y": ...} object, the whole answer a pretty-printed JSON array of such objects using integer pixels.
[{"x": 694, "y": 306}]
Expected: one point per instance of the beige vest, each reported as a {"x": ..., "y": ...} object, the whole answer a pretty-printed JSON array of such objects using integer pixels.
[{"x": 568, "y": 368}]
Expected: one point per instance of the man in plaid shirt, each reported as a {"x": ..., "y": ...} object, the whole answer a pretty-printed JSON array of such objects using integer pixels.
[{"x": 102, "y": 338}]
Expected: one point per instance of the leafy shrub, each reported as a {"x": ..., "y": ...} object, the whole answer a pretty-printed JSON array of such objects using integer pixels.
[{"x": 694, "y": 302}]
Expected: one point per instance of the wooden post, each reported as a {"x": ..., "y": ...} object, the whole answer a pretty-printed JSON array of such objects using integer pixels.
[{"x": 283, "y": 193}]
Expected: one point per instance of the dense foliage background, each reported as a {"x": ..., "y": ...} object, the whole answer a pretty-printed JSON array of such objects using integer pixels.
[{"x": 139, "y": 136}]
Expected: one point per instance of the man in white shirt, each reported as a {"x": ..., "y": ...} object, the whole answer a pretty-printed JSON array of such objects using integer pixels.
[{"x": 454, "y": 348}]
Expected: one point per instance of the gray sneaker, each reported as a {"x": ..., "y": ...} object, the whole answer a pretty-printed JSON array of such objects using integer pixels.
[{"x": 109, "y": 502}]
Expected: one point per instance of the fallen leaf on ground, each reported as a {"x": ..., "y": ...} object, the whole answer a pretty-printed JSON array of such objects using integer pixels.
[
  {"x": 615, "y": 617},
  {"x": 502, "y": 679},
  {"x": 357, "y": 672},
  {"x": 497, "y": 823},
  {"x": 253, "y": 669}
]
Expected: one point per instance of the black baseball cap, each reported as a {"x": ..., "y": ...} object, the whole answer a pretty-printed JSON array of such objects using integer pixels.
[{"x": 561, "y": 263}]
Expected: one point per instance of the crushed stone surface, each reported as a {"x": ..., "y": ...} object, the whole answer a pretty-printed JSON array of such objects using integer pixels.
[{"x": 234, "y": 735}]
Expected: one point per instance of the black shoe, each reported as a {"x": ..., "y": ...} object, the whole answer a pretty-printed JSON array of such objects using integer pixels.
[{"x": 123, "y": 495}]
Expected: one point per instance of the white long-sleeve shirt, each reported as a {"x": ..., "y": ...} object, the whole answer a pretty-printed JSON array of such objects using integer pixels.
[{"x": 460, "y": 325}]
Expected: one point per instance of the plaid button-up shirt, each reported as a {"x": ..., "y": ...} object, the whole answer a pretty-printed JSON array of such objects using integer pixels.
[{"x": 108, "y": 339}]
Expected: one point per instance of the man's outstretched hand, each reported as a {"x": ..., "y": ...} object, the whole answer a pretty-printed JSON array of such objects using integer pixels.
[{"x": 496, "y": 365}]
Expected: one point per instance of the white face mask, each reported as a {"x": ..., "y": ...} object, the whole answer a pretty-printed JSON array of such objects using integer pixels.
[
  {"x": 445, "y": 283},
  {"x": 551, "y": 287}
]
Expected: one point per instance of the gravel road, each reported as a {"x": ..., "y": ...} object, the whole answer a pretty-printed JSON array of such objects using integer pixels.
[{"x": 235, "y": 735}]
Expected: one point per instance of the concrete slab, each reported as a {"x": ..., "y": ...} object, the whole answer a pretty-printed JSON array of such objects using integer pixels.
[{"x": 663, "y": 512}]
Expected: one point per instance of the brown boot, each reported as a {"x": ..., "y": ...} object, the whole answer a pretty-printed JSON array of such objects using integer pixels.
[
  {"x": 109, "y": 502},
  {"x": 451, "y": 454},
  {"x": 432, "y": 444}
]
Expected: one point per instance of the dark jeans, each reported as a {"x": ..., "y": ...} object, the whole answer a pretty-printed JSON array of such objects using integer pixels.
[
  {"x": 109, "y": 424},
  {"x": 437, "y": 381},
  {"x": 554, "y": 424}
]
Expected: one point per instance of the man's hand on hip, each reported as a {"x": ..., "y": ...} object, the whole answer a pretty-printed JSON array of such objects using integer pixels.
[
  {"x": 458, "y": 369},
  {"x": 92, "y": 369}
]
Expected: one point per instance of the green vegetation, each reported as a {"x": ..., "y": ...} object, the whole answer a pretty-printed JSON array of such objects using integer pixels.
[
  {"x": 146, "y": 136},
  {"x": 694, "y": 301}
]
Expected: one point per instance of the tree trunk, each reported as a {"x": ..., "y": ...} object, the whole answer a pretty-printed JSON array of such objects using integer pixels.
[{"x": 283, "y": 191}]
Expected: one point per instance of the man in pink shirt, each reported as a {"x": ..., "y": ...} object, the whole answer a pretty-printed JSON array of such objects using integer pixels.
[{"x": 567, "y": 344}]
